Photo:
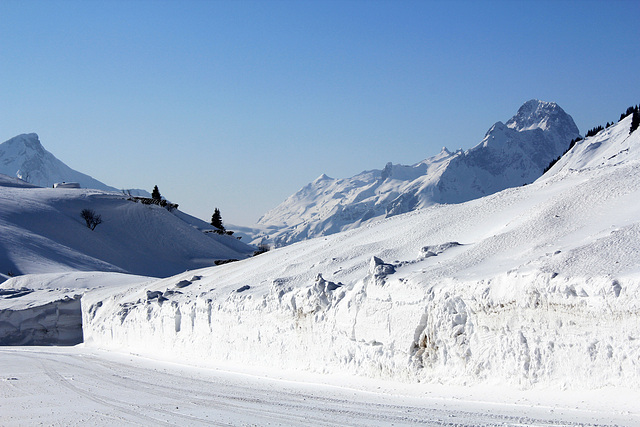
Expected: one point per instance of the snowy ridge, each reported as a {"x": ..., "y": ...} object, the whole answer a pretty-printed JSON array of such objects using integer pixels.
[
  {"x": 43, "y": 232},
  {"x": 510, "y": 155},
  {"x": 610, "y": 147},
  {"x": 24, "y": 158},
  {"x": 533, "y": 286},
  {"x": 7, "y": 181}
]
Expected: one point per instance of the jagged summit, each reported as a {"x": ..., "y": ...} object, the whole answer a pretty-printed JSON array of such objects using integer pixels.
[
  {"x": 322, "y": 177},
  {"x": 29, "y": 141},
  {"x": 511, "y": 154},
  {"x": 536, "y": 114}
]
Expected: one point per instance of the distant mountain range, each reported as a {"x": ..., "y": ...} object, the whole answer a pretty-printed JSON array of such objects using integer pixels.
[{"x": 511, "y": 154}]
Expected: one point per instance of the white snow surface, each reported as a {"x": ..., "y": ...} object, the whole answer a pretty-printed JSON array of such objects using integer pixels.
[
  {"x": 44, "y": 309},
  {"x": 7, "y": 181},
  {"x": 24, "y": 158},
  {"x": 531, "y": 287},
  {"x": 510, "y": 155},
  {"x": 82, "y": 386},
  {"x": 42, "y": 232}
]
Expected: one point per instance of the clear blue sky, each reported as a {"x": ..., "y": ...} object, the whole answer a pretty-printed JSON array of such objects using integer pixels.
[{"x": 238, "y": 104}]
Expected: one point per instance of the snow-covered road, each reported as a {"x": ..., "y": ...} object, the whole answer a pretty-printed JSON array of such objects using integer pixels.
[{"x": 81, "y": 386}]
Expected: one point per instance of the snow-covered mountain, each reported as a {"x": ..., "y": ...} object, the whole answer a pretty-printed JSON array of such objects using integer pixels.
[
  {"x": 42, "y": 231},
  {"x": 532, "y": 286},
  {"x": 24, "y": 157},
  {"x": 511, "y": 154}
]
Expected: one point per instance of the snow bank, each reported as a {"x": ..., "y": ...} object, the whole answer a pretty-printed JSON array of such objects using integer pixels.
[
  {"x": 44, "y": 309},
  {"x": 521, "y": 330},
  {"x": 533, "y": 286},
  {"x": 58, "y": 322}
]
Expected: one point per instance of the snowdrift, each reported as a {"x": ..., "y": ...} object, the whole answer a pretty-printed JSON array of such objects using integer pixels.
[
  {"x": 44, "y": 309},
  {"x": 532, "y": 286}
]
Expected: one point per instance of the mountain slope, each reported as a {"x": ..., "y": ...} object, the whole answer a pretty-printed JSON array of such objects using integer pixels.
[
  {"x": 24, "y": 157},
  {"x": 533, "y": 286},
  {"x": 42, "y": 232},
  {"x": 609, "y": 147},
  {"x": 510, "y": 155}
]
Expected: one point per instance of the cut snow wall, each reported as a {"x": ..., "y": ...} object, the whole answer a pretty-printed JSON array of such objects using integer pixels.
[
  {"x": 521, "y": 329},
  {"x": 313, "y": 328},
  {"x": 55, "y": 323}
]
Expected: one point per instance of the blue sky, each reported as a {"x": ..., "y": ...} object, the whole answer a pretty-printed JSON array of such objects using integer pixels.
[{"x": 238, "y": 104}]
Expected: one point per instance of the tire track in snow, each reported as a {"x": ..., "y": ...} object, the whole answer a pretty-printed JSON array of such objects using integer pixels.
[
  {"x": 51, "y": 368},
  {"x": 139, "y": 391}
]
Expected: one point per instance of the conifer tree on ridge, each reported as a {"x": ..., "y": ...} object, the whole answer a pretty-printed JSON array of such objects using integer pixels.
[
  {"x": 155, "y": 194},
  {"x": 216, "y": 220}
]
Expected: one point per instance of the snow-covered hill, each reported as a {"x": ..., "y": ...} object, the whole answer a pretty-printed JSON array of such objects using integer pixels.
[
  {"x": 42, "y": 232},
  {"x": 511, "y": 154},
  {"x": 531, "y": 286}
]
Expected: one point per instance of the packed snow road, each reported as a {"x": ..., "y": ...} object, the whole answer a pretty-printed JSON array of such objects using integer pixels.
[{"x": 80, "y": 386}]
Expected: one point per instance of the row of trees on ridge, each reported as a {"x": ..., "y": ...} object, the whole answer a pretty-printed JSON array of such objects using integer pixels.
[{"x": 635, "y": 123}]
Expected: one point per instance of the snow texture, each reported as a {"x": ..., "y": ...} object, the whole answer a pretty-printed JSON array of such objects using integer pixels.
[
  {"x": 43, "y": 232},
  {"x": 44, "y": 309},
  {"x": 66, "y": 386},
  {"x": 534, "y": 286},
  {"x": 24, "y": 157},
  {"x": 510, "y": 155}
]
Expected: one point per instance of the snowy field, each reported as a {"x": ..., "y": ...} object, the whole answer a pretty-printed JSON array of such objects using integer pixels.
[{"x": 76, "y": 386}]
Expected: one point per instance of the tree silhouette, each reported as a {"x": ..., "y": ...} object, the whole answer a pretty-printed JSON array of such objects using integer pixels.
[
  {"x": 635, "y": 121},
  {"x": 155, "y": 194},
  {"x": 91, "y": 218},
  {"x": 216, "y": 220}
]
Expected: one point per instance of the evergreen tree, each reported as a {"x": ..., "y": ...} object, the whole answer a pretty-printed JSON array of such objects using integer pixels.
[
  {"x": 155, "y": 194},
  {"x": 635, "y": 121},
  {"x": 629, "y": 111},
  {"x": 216, "y": 220},
  {"x": 594, "y": 131}
]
